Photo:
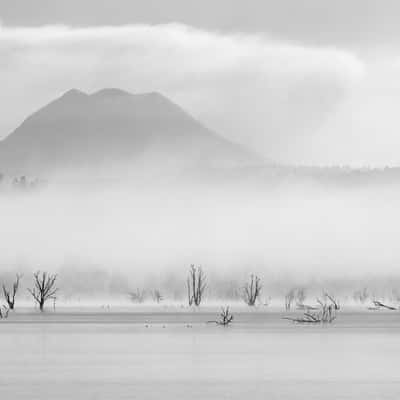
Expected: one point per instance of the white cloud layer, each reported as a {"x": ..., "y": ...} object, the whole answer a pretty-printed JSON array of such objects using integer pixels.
[{"x": 261, "y": 92}]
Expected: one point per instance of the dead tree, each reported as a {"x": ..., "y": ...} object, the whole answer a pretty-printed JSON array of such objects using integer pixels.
[
  {"x": 9, "y": 295},
  {"x": 44, "y": 288},
  {"x": 306, "y": 307},
  {"x": 328, "y": 311},
  {"x": 395, "y": 296},
  {"x": 138, "y": 296},
  {"x": 4, "y": 310},
  {"x": 361, "y": 295},
  {"x": 289, "y": 298},
  {"x": 157, "y": 296},
  {"x": 325, "y": 314},
  {"x": 196, "y": 285},
  {"x": 333, "y": 300},
  {"x": 252, "y": 290},
  {"x": 225, "y": 318},
  {"x": 300, "y": 296}
]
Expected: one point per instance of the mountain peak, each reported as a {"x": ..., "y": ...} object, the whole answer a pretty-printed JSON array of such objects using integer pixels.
[
  {"x": 74, "y": 93},
  {"x": 110, "y": 128},
  {"x": 110, "y": 92}
]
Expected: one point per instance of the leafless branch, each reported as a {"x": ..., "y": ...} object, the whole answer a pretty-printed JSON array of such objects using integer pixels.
[
  {"x": 333, "y": 300},
  {"x": 361, "y": 295},
  {"x": 379, "y": 304},
  {"x": 157, "y": 296},
  {"x": 196, "y": 285},
  {"x": 4, "y": 310},
  {"x": 225, "y": 318},
  {"x": 252, "y": 290},
  {"x": 44, "y": 288},
  {"x": 326, "y": 314},
  {"x": 289, "y": 298},
  {"x": 138, "y": 296},
  {"x": 9, "y": 294}
]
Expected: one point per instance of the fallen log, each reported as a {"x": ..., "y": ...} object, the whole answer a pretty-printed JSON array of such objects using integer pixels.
[{"x": 381, "y": 305}]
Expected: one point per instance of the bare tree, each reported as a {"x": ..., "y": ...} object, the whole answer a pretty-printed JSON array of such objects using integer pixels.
[
  {"x": 361, "y": 295},
  {"x": 9, "y": 295},
  {"x": 157, "y": 296},
  {"x": 44, "y": 288},
  {"x": 252, "y": 290},
  {"x": 196, "y": 285},
  {"x": 306, "y": 307},
  {"x": 333, "y": 300},
  {"x": 225, "y": 318},
  {"x": 138, "y": 296},
  {"x": 300, "y": 296},
  {"x": 4, "y": 310},
  {"x": 289, "y": 298}
]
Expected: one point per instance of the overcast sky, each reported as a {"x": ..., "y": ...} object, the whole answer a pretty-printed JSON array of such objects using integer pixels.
[{"x": 305, "y": 81}]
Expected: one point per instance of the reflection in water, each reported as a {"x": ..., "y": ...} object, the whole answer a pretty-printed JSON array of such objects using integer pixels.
[{"x": 259, "y": 357}]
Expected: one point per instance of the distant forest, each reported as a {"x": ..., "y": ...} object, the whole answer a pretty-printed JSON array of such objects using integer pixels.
[
  {"x": 19, "y": 183},
  {"x": 344, "y": 176}
]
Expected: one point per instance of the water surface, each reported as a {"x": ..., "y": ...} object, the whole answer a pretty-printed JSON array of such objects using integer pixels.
[{"x": 173, "y": 355}]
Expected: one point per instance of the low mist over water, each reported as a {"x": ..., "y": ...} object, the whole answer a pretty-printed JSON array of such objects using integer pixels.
[{"x": 292, "y": 233}]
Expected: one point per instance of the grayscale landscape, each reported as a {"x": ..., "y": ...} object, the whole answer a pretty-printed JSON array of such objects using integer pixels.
[
  {"x": 115, "y": 355},
  {"x": 199, "y": 200}
]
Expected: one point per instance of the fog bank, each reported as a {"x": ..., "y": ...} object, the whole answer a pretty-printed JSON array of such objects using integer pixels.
[{"x": 135, "y": 235}]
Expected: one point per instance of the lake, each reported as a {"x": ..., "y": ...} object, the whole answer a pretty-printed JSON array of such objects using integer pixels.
[{"x": 173, "y": 355}]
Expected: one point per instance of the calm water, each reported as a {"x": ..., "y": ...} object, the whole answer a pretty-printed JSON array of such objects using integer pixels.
[{"x": 115, "y": 356}]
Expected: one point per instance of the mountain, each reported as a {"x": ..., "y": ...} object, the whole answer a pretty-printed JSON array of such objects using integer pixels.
[{"x": 113, "y": 130}]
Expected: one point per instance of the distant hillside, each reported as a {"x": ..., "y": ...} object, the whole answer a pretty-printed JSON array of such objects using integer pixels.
[
  {"x": 112, "y": 129},
  {"x": 267, "y": 174}
]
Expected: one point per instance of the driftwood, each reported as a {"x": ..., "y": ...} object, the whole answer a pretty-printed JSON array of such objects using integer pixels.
[
  {"x": 225, "y": 318},
  {"x": 378, "y": 305},
  {"x": 307, "y": 307},
  {"x": 326, "y": 314}
]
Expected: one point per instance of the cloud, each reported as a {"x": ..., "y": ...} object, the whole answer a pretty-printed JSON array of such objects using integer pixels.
[{"x": 253, "y": 89}]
